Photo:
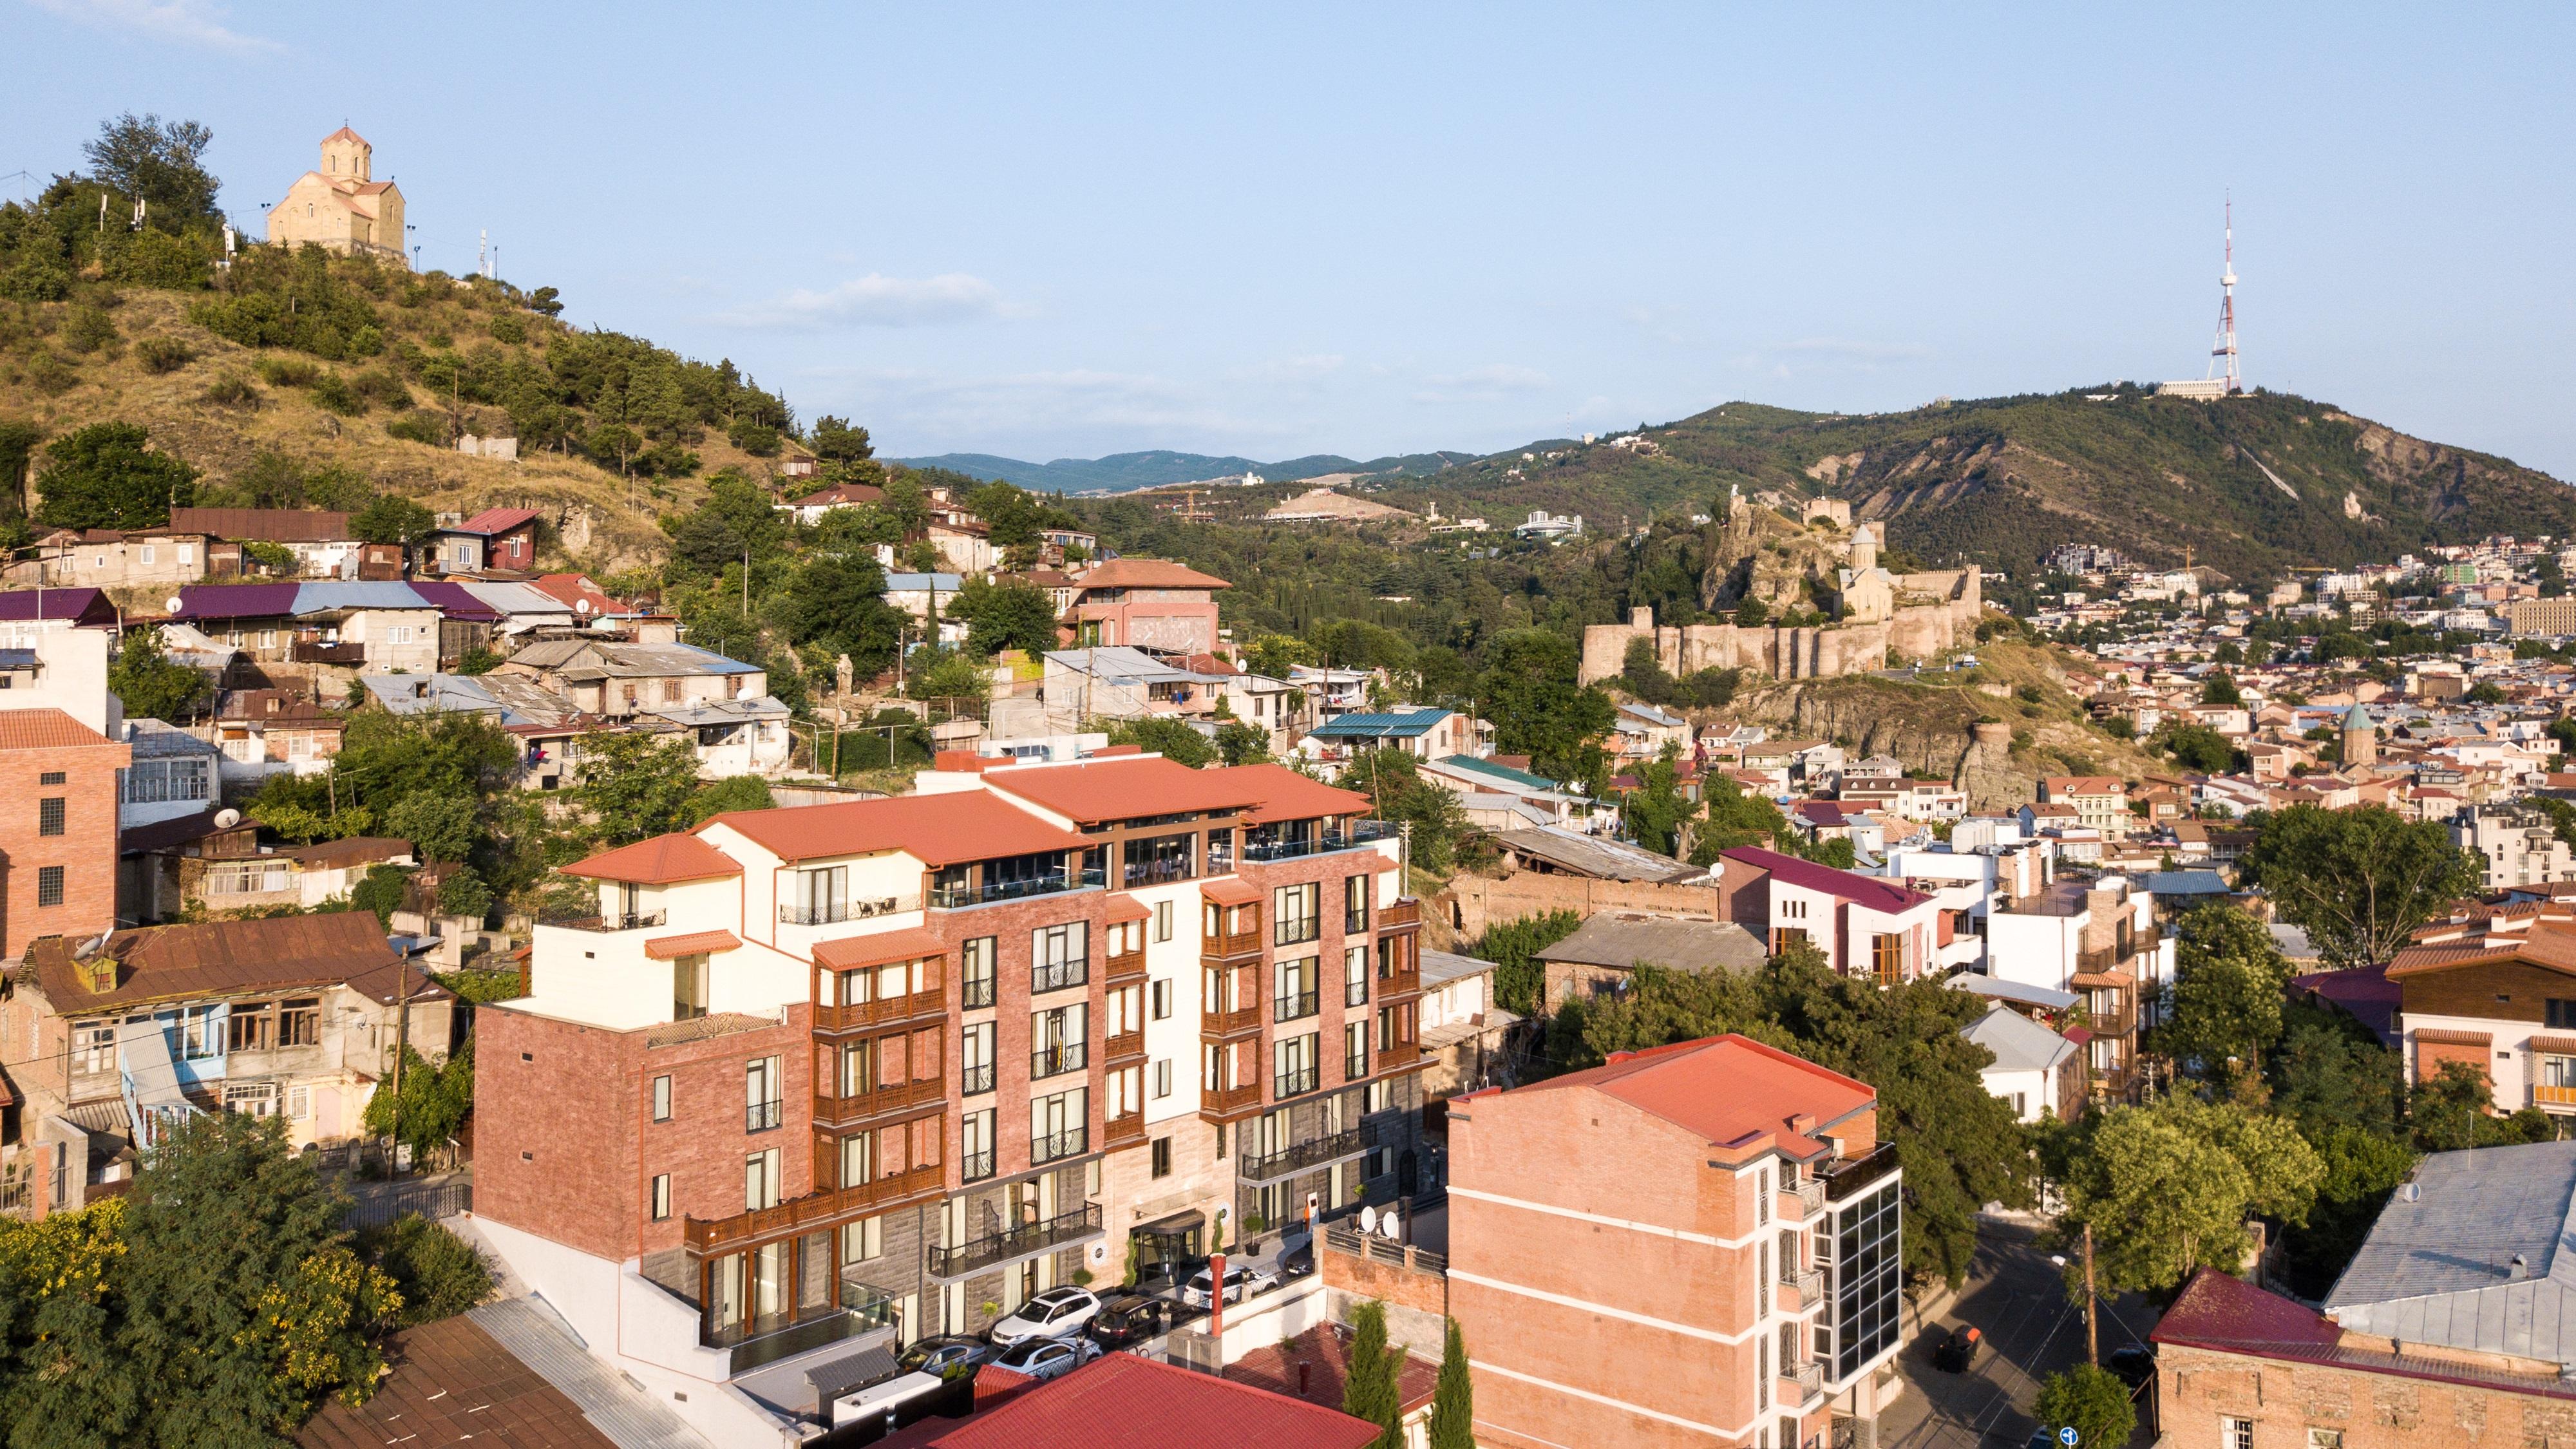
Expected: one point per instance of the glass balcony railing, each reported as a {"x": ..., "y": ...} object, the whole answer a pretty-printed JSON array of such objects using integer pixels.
[
  {"x": 951, "y": 897},
  {"x": 1359, "y": 833}
]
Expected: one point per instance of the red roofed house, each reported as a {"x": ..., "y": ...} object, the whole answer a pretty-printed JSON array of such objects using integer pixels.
[
  {"x": 1126, "y": 1400},
  {"x": 2237, "y": 1366},
  {"x": 496, "y": 538},
  {"x": 2101, "y": 801},
  {"x": 1148, "y": 603},
  {"x": 1864, "y": 925},
  {"x": 805, "y": 1080},
  {"x": 811, "y": 508},
  {"x": 1750, "y": 1230},
  {"x": 2504, "y": 1006}
]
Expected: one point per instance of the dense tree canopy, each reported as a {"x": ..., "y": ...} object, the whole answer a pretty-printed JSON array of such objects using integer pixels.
[
  {"x": 108, "y": 475},
  {"x": 2357, "y": 881}
]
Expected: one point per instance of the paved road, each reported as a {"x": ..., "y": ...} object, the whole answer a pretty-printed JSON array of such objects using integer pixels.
[{"x": 2017, "y": 1298}]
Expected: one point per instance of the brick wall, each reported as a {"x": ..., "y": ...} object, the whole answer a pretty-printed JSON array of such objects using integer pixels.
[
  {"x": 2430, "y": 1055},
  {"x": 1471, "y": 903},
  {"x": 85, "y": 850},
  {"x": 2196, "y": 1388}
]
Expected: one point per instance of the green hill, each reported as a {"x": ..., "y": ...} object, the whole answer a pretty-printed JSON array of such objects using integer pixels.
[{"x": 2250, "y": 485}]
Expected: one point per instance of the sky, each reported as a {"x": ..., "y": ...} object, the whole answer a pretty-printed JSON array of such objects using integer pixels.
[{"x": 1067, "y": 230}]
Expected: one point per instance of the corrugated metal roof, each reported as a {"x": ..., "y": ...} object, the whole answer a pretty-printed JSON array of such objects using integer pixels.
[
  {"x": 1596, "y": 856},
  {"x": 2439, "y": 1269},
  {"x": 538, "y": 1337},
  {"x": 1623, "y": 939},
  {"x": 1393, "y": 724}
]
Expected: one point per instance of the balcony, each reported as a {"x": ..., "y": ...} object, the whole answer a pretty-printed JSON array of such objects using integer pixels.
[
  {"x": 1360, "y": 834},
  {"x": 1124, "y": 1047},
  {"x": 1399, "y": 1056},
  {"x": 812, "y": 1211},
  {"x": 1802, "y": 1289},
  {"x": 1228, "y": 945},
  {"x": 884, "y": 1011},
  {"x": 1130, "y": 967},
  {"x": 1057, "y": 1060},
  {"x": 1802, "y": 1384},
  {"x": 311, "y": 652},
  {"x": 2553, "y": 1096},
  {"x": 1134, "y": 873},
  {"x": 1124, "y": 1131},
  {"x": 1293, "y": 1008},
  {"x": 1059, "y": 976},
  {"x": 1401, "y": 915},
  {"x": 763, "y": 1116},
  {"x": 977, "y": 1080},
  {"x": 633, "y": 921},
  {"x": 1223, "y": 1100},
  {"x": 1300, "y": 1157},
  {"x": 854, "y": 1107},
  {"x": 958, "y": 897},
  {"x": 1230, "y": 1023},
  {"x": 763, "y": 1341},
  {"x": 979, "y": 1253},
  {"x": 1057, "y": 1146},
  {"x": 1296, "y": 1083},
  {"x": 836, "y": 911},
  {"x": 1850, "y": 1176},
  {"x": 1802, "y": 1199}
]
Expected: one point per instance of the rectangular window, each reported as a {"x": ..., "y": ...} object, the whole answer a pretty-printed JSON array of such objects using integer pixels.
[
  {"x": 53, "y": 777},
  {"x": 762, "y": 1104},
  {"x": 1162, "y": 1157},
  {"x": 1162, "y": 920},
  {"x": 299, "y": 1022},
  {"x": 820, "y": 897},
  {"x": 1162, "y": 1000},
  {"x": 976, "y": 959},
  {"x": 690, "y": 986},
  {"x": 863, "y": 1241},
  {"x": 2234, "y": 1433},
  {"x": 1126, "y": 1011},
  {"x": 2561, "y": 1012},
  {"x": 1293, "y": 1065},
  {"x": 1163, "y": 1077},
  {"x": 1355, "y": 1051},
  {"x": 662, "y": 1099},
  {"x": 1059, "y": 1126},
  {"x": 661, "y": 1197},
  {"x": 1887, "y": 957},
  {"x": 1295, "y": 909},
  {"x": 975, "y": 1145},
  {"x": 252, "y": 1027},
  {"x": 1355, "y": 976},
  {"x": 1060, "y": 957},
  {"x": 1057, "y": 1043},
  {"x": 299, "y": 1102},
  {"x": 1355, "y": 904},
  {"x": 761, "y": 1174},
  {"x": 1294, "y": 992},
  {"x": 975, "y": 1058},
  {"x": 49, "y": 815},
  {"x": 49, "y": 885}
]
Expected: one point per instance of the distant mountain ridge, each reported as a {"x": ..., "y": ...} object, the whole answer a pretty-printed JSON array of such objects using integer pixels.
[{"x": 1124, "y": 472}]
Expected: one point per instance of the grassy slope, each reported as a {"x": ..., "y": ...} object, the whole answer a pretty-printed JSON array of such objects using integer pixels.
[{"x": 286, "y": 420}]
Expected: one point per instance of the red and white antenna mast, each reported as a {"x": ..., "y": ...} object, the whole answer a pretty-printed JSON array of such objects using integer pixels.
[{"x": 2222, "y": 357}]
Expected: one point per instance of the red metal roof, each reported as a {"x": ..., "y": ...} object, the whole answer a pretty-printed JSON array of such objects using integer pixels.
[
  {"x": 908, "y": 943},
  {"x": 662, "y": 860},
  {"x": 493, "y": 520},
  {"x": 2222, "y": 1312},
  {"x": 934, "y": 829},
  {"x": 1149, "y": 573},
  {"x": 1125, "y": 1401},
  {"x": 1726, "y": 1089},
  {"x": 45, "y": 729},
  {"x": 1129, "y": 786},
  {"x": 693, "y": 943},
  {"x": 1864, "y": 890}
]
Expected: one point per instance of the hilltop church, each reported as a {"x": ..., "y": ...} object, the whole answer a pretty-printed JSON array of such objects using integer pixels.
[{"x": 341, "y": 206}]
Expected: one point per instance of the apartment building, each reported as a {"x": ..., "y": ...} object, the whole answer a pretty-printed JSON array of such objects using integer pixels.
[
  {"x": 2100, "y": 801},
  {"x": 2501, "y": 1000},
  {"x": 1863, "y": 924},
  {"x": 2515, "y": 847},
  {"x": 113, "y": 1034},
  {"x": 1149, "y": 603},
  {"x": 2099, "y": 940},
  {"x": 58, "y": 829},
  {"x": 817, "y": 1078},
  {"x": 1733, "y": 1279}
]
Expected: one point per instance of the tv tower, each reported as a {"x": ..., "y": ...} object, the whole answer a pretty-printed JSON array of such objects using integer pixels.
[{"x": 2222, "y": 357}]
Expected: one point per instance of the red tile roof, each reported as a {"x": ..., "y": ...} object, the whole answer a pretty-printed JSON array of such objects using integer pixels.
[
  {"x": 45, "y": 729},
  {"x": 1286, "y": 795},
  {"x": 1124, "y": 907},
  {"x": 1125, "y": 787},
  {"x": 1126, "y": 1402},
  {"x": 1225, "y": 890},
  {"x": 1149, "y": 573},
  {"x": 908, "y": 943},
  {"x": 1729, "y": 1090},
  {"x": 692, "y": 943},
  {"x": 934, "y": 829},
  {"x": 1863, "y": 890},
  {"x": 662, "y": 860}
]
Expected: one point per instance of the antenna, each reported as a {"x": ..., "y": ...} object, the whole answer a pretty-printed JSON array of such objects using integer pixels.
[
  {"x": 2222, "y": 357},
  {"x": 483, "y": 253}
]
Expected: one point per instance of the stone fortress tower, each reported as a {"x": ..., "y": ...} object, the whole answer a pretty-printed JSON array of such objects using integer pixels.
[{"x": 342, "y": 206}]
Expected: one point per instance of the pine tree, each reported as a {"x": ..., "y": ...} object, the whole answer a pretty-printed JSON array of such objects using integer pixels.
[
  {"x": 1453, "y": 1403},
  {"x": 1369, "y": 1388}
]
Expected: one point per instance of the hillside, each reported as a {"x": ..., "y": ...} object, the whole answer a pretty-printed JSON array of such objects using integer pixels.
[
  {"x": 1126, "y": 472},
  {"x": 2251, "y": 485}
]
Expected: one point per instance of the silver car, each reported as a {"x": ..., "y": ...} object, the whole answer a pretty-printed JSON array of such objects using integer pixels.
[
  {"x": 1046, "y": 1358},
  {"x": 1056, "y": 1313}
]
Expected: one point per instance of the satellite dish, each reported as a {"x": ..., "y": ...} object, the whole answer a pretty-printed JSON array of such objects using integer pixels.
[
  {"x": 1391, "y": 1227},
  {"x": 226, "y": 819},
  {"x": 174, "y": 603},
  {"x": 1368, "y": 1219}
]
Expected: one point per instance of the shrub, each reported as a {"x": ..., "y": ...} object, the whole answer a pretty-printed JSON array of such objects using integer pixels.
[
  {"x": 88, "y": 329},
  {"x": 420, "y": 427},
  {"x": 163, "y": 354},
  {"x": 35, "y": 280},
  {"x": 438, "y": 1273},
  {"x": 758, "y": 439},
  {"x": 232, "y": 391},
  {"x": 333, "y": 391},
  {"x": 509, "y": 327},
  {"x": 288, "y": 371},
  {"x": 49, "y": 373},
  {"x": 383, "y": 387}
]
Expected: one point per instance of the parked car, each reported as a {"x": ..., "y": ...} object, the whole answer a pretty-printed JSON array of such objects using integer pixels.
[
  {"x": 947, "y": 1355},
  {"x": 1056, "y": 1313},
  {"x": 1240, "y": 1278},
  {"x": 1131, "y": 1318},
  {"x": 2134, "y": 1365},
  {"x": 1957, "y": 1351},
  {"x": 1045, "y": 1358}
]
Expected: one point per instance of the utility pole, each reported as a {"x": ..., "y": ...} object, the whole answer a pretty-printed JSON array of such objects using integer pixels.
[{"x": 2092, "y": 1327}]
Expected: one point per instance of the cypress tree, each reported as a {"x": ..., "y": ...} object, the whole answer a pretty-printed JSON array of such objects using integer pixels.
[
  {"x": 1369, "y": 1388},
  {"x": 1453, "y": 1403}
]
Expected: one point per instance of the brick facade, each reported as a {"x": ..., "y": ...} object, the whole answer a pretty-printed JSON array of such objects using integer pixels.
[
  {"x": 2198, "y": 1389},
  {"x": 82, "y": 899}
]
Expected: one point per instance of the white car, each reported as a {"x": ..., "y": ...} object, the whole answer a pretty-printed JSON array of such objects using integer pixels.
[
  {"x": 1240, "y": 1278},
  {"x": 1045, "y": 1358},
  {"x": 1056, "y": 1313}
]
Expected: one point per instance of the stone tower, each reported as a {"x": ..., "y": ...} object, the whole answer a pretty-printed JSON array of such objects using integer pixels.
[
  {"x": 346, "y": 153},
  {"x": 1864, "y": 546},
  {"x": 2360, "y": 738}
]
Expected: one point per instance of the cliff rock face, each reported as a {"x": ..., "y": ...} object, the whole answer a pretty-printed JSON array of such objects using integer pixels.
[{"x": 1940, "y": 734}]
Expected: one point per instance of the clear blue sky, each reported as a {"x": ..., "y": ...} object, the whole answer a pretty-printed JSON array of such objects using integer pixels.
[{"x": 1061, "y": 231}]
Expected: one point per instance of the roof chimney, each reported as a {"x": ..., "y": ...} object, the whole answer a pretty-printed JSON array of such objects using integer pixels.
[{"x": 2517, "y": 1269}]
